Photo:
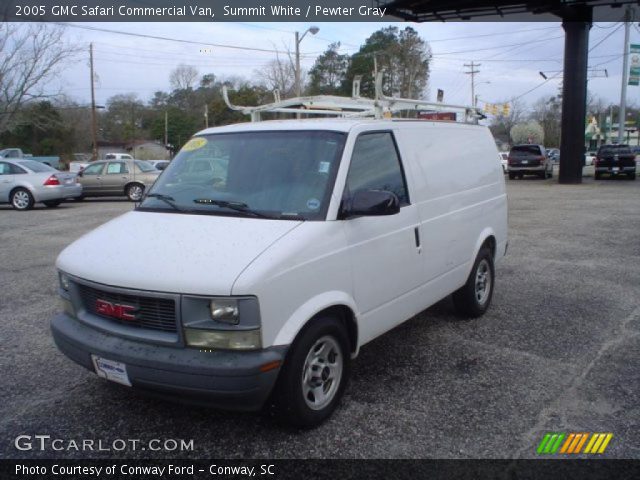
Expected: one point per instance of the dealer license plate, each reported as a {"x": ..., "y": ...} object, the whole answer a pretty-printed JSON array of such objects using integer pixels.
[
  {"x": 615, "y": 169},
  {"x": 111, "y": 370}
]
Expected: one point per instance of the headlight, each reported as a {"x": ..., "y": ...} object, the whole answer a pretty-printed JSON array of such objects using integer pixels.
[
  {"x": 223, "y": 339},
  {"x": 224, "y": 310}
]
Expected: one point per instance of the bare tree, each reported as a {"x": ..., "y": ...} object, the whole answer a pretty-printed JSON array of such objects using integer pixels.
[
  {"x": 280, "y": 74},
  {"x": 183, "y": 77},
  {"x": 30, "y": 54}
]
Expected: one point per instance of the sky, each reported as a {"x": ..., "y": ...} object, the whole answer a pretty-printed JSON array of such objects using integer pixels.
[{"x": 510, "y": 55}]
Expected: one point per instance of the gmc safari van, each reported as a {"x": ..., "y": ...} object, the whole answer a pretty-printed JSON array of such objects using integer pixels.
[{"x": 267, "y": 254}]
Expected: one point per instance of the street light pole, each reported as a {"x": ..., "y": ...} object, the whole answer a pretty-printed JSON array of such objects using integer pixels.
[
  {"x": 625, "y": 76},
  {"x": 313, "y": 30}
]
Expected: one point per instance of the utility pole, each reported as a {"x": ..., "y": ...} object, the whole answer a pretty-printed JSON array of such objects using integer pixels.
[
  {"x": 206, "y": 115},
  {"x": 94, "y": 128},
  {"x": 298, "y": 87},
  {"x": 473, "y": 72},
  {"x": 625, "y": 76},
  {"x": 166, "y": 128}
]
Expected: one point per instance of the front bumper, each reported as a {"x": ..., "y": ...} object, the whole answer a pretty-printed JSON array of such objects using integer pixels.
[{"x": 224, "y": 379}]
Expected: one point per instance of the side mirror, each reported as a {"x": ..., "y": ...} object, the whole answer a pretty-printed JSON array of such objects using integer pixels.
[{"x": 371, "y": 203}]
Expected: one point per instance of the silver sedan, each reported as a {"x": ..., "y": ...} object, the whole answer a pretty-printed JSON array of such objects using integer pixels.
[{"x": 25, "y": 182}]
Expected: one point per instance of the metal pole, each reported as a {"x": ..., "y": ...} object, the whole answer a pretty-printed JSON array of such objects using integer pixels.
[
  {"x": 625, "y": 76},
  {"x": 610, "y": 122},
  {"x": 298, "y": 88},
  {"x": 94, "y": 127}
]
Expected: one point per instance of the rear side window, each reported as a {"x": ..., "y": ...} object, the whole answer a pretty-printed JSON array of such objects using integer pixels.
[
  {"x": 525, "y": 150},
  {"x": 95, "y": 169},
  {"x": 375, "y": 165}
]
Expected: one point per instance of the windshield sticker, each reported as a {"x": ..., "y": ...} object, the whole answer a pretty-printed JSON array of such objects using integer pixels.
[
  {"x": 313, "y": 204},
  {"x": 194, "y": 144},
  {"x": 324, "y": 167}
]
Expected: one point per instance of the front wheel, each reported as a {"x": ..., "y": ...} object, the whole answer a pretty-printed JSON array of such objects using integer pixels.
[
  {"x": 474, "y": 298},
  {"x": 21, "y": 199},
  {"x": 314, "y": 375},
  {"x": 134, "y": 192}
]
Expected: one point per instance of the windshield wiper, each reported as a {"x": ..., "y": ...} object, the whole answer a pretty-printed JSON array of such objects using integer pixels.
[
  {"x": 168, "y": 199},
  {"x": 237, "y": 206}
]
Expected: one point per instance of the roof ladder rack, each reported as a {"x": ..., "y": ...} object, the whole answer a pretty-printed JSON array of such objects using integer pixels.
[{"x": 354, "y": 107}]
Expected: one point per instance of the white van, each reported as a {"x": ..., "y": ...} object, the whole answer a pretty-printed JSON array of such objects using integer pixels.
[{"x": 259, "y": 277}]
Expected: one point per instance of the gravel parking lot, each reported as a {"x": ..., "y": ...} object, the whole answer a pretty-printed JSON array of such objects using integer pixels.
[{"x": 558, "y": 351}]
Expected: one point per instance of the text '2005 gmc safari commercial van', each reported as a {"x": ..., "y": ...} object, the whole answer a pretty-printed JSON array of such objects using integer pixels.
[{"x": 260, "y": 276}]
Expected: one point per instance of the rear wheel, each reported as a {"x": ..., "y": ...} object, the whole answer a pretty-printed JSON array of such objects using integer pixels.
[
  {"x": 314, "y": 375},
  {"x": 512, "y": 176},
  {"x": 474, "y": 298},
  {"x": 52, "y": 203},
  {"x": 597, "y": 176},
  {"x": 135, "y": 191},
  {"x": 21, "y": 199},
  {"x": 632, "y": 176}
]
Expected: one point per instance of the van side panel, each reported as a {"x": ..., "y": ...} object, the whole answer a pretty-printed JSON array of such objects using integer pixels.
[{"x": 458, "y": 186}]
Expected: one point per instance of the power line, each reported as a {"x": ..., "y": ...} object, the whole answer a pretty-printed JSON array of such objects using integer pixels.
[{"x": 170, "y": 39}]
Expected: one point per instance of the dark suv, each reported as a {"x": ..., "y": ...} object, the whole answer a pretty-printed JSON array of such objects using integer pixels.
[
  {"x": 615, "y": 160},
  {"x": 529, "y": 159}
]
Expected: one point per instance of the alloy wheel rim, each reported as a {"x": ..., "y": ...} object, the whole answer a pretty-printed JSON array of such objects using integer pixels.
[
  {"x": 21, "y": 200},
  {"x": 135, "y": 192},
  {"x": 322, "y": 372}
]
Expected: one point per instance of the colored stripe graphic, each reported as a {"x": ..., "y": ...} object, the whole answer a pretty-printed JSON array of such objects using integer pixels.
[{"x": 572, "y": 443}]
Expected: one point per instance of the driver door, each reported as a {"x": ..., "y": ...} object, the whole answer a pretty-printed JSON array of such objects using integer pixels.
[{"x": 385, "y": 251}]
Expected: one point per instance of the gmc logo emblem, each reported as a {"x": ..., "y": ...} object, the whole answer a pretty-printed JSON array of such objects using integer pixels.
[{"x": 115, "y": 310}]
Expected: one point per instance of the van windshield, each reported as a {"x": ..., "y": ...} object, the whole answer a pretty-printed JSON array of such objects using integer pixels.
[{"x": 273, "y": 174}]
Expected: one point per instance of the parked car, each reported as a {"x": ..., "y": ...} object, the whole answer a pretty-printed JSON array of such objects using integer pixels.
[
  {"x": 504, "y": 161},
  {"x": 615, "y": 160},
  {"x": 158, "y": 164},
  {"x": 117, "y": 177},
  {"x": 25, "y": 182},
  {"x": 589, "y": 158},
  {"x": 16, "y": 153},
  {"x": 529, "y": 159},
  {"x": 262, "y": 277},
  {"x": 554, "y": 155}
]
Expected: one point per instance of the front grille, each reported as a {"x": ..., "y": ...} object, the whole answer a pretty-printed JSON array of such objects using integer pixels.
[{"x": 151, "y": 313}]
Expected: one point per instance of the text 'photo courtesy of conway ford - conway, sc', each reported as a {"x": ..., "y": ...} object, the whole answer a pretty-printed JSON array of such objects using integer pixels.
[{"x": 268, "y": 253}]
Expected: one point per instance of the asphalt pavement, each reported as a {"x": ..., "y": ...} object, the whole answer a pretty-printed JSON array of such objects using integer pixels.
[{"x": 558, "y": 351}]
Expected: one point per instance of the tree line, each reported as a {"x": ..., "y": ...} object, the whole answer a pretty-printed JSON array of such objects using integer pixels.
[{"x": 46, "y": 124}]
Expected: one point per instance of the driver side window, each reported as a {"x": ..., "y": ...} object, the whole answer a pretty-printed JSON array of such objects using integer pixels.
[
  {"x": 375, "y": 165},
  {"x": 95, "y": 169}
]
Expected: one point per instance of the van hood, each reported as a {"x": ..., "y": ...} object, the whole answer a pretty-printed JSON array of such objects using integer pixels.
[{"x": 165, "y": 252}]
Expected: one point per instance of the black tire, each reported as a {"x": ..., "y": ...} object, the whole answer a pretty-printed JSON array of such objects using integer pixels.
[
  {"x": 79, "y": 199},
  {"x": 632, "y": 176},
  {"x": 466, "y": 299},
  {"x": 135, "y": 191},
  {"x": 596, "y": 176},
  {"x": 543, "y": 175},
  {"x": 292, "y": 407},
  {"x": 521, "y": 176},
  {"x": 52, "y": 203},
  {"x": 512, "y": 176},
  {"x": 21, "y": 199}
]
